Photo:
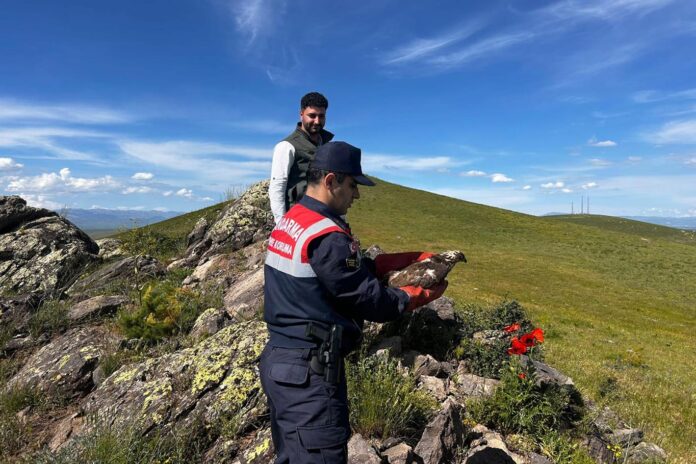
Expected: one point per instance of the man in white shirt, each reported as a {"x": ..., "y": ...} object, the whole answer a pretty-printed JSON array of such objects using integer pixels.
[{"x": 291, "y": 156}]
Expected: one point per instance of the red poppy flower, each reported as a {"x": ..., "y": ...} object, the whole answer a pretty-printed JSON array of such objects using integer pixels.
[
  {"x": 532, "y": 338},
  {"x": 517, "y": 347},
  {"x": 512, "y": 328},
  {"x": 522, "y": 375}
]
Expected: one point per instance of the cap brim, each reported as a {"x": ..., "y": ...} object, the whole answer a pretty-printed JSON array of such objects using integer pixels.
[{"x": 362, "y": 180}]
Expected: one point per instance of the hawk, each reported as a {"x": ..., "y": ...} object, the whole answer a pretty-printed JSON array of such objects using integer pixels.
[{"x": 426, "y": 273}]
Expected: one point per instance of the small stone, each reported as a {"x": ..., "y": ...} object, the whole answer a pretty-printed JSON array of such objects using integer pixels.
[
  {"x": 426, "y": 365},
  {"x": 362, "y": 452},
  {"x": 645, "y": 452},
  {"x": 399, "y": 454},
  {"x": 435, "y": 386},
  {"x": 392, "y": 345},
  {"x": 98, "y": 306}
]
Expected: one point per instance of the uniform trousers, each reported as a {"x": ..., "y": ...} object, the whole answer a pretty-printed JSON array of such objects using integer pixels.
[{"x": 309, "y": 416}]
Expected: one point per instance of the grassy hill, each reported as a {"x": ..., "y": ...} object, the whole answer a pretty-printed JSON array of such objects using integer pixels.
[{"x": 616, "y": 297}]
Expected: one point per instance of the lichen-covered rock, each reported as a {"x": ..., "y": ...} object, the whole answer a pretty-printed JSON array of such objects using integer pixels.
[
  {"x": 110, "y": 248},
  {"x": 362, "y": 452},
  {"x": 246, "y": 220},
  {"x": 199, "y": 385},
  {"x": 211, "y": 321},
  {"x": 473, "y": 385},
  {"x": 443, "y": 436},
  {"x": 198, "y": 232},
  {"x": 645, "y": 453},
  {"x": 244, "y": 299},
  {"x": 97, "y": 306},
  {"x": 132, "y": 268},
  {"x": 435, "y": 386},
  {"x": 40, "y": 251},
  {"x": 260, "y": 451},
  {"x": 63, "y": 368}
]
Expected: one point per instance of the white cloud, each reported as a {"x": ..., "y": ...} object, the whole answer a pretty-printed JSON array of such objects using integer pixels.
[
  {"x": 566, "y": 190},
  {"x": 255, "y": 18},
  {"x": 527, "y": 187},
  {"x": 589, "y": 185},
  {"x": 593, "y": 142},
  {"x": 634, "y": 159},
  {"x": 599, "y": 162},
  {"x": 651, "y": 96},
  {"x": 553, "y": 185},
  {"x": 143, "y": 176},
  {"x": 690, "y": 161},
  {"x": 42, "y": 201},
  {"x": 474, "y": 173},
  {"x": 168, "y": 193},
  {"x": 19, "y": 111},
  {"x": 49, "y": 139},
  {"x": 61, "y": 182},
  {"x": 421, "y": 48},
  {"x": 8, "y": 164},
  {"x": 498, "y": 177},
  {"x": 130, "y": 190},
  {"x": 677, "y": 132},
  {"x": 206, "y": 199},
  {"x": 184, "y": 192}
]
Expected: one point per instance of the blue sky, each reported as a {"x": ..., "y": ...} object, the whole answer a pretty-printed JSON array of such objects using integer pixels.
[{"x": 524, "y": 105}]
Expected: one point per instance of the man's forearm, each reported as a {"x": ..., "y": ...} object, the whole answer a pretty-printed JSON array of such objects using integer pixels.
[{"x": 276, "y": 194}]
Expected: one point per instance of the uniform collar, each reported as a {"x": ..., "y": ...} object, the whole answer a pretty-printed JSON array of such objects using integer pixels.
[{"x": 323, "y": 209}]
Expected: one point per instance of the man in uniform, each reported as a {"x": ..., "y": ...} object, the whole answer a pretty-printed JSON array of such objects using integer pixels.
[
  {"x": 318, "y": 291},
  {"x": 291, "y": 156}
]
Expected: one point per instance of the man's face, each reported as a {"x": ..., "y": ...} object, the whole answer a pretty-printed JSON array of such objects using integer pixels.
[
  {"x": 313, "y": 119},
  {"x": 343, "y": 194}
]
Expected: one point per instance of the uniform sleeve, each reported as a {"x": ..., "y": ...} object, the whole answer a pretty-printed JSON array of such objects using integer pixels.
[
  {"x": 283, "y": 157},
  {"x": 355, "y": 290}
]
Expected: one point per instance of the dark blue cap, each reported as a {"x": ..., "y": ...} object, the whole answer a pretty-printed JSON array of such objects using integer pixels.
[{"x": 340, "y": 157}]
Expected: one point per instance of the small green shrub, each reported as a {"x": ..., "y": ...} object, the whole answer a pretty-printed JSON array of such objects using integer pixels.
[
  {"x": 521, "y": 406},
  {"x": 562, "y": 449},
  {"x": 165, "y": 309},
  {"x": 384, "y": 401},
  {"x": 484, "y": 359},
  {"x": 148, "y": 241},
  {"x": 50, "y": 318}
]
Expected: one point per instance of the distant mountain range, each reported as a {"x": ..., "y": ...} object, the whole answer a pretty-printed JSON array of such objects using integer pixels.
[
  {"x": 110, "y": 219},
  {"x": 676, "y": 222}
]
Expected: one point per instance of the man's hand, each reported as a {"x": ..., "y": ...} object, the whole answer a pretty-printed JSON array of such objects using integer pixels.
[
  {"x": 419, "y": 296},
  {"x": 389, "y": 262}
]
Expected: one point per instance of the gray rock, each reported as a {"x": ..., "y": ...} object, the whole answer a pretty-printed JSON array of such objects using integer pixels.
[
  {"x": 198, "y": 232},
  {"x": 426, "y": 365},
  {"x": 399, "y": 454},
  {"x": 362, "y": 452},
  {"x": 435, "y": 386},
  {"x": 625, "y": 437},
  {"x": 547, "y": 374},
  {"x": 489, "y": 337},
  {"x": 96, "y": 307},
  {"x": 598, "y": 449},
  {"x": 211, "y": 321},
  {"x": 244, "y": 299},
  {"x": 535, "y": 458},
  {"x": 133, "y": 269},
  {"x": 197, "y": 385},
  {"x": 645, "y": 453},
  {"x": 473, "y": 385},
  {"x": 260, "y": 451},
  {"x": 248, "y": 219},
  {"x": 63, "y": 368},
  {"x": 443, "y": 436},
  {"x": 489, "y": 448},
  {"x": 41, "y": 251},
  {"x": 110, "y": 248}
]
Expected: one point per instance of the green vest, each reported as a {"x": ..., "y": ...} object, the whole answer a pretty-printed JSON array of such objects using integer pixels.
[{"x": 304, "y": 154}]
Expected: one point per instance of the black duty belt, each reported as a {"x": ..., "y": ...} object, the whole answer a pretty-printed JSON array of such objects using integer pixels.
[{"x": 327, "y": 359}]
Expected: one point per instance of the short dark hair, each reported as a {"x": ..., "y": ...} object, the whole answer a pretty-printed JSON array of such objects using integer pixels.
[
  {"x": 314, "y": 99},
  {"x": 314, "y": 176}
]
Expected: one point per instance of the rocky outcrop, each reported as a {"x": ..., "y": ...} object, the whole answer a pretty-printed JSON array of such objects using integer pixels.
[
  {"x": 488, "y": 447},
  {"x": 248, "y": 219},
  {"x": 40, "y": 251},
  {"x": 63, "y": 368},
  {"x": 244, "y": 299},
  {"x": 200, "y": 385},
  {"x": 130, "y": 269},
  {"x": 443, "y": 436},
  {"x": 210, "y": 322},
  {"x": 360, "y": 451},
  {"x": 110, "y": 248},
  {"x": 98, "y": 306}
]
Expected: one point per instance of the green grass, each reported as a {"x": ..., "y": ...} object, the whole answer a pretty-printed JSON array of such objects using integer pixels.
[
  {"x": 598, "y": 291},
  {"x": 615, "y": 297}
]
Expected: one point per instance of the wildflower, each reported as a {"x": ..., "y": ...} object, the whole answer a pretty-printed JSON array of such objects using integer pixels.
[
  {"x": 522, "y": 375},
  {"x": 517, "y": 347},
  {"x": 532, "y": 338},
  {"x": 512, "y": 328}
]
